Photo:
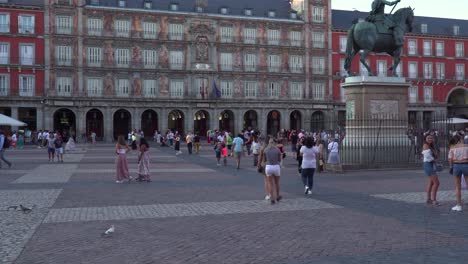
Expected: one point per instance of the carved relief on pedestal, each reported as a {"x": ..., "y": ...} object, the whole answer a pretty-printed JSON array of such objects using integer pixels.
[
  {"x": 109, "y": 85},
  {"x": 108, "y": 25},
  {"x": 164, "y": 57},
  {"x": 163, "y": 86},
  {"x": 108, "y": 54},
  {"x": 136, "y": 27},
  {"x": 137, "y": 59}
]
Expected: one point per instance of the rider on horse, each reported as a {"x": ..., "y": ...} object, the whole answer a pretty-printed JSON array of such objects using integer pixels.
[{"x": 383, "y": 23}]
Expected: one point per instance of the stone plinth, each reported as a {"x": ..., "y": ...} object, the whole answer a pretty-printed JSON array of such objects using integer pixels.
[{"x": 376, "y": 119}]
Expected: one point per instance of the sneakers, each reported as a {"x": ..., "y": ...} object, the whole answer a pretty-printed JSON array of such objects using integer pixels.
[
  {"x": 267, "y": 197},
  {"x": 306, "y": 190},
  {"x": 309, "y": 191},
  {"x": 457, "y": 208}
]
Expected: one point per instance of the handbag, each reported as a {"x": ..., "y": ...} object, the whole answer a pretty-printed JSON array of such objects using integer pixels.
[{"x": 260, "y": 169}]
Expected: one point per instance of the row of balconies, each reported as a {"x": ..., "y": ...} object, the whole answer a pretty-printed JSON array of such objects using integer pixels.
[{"x": 426, "y": 76}]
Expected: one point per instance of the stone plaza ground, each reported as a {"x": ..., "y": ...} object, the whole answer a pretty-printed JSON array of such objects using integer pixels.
[{"x": 196, "y": 212}]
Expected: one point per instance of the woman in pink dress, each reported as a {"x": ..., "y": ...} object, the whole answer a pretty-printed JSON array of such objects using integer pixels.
[
  {"x": 143, "y": 161},
  {"x": 121, "y": 162}
]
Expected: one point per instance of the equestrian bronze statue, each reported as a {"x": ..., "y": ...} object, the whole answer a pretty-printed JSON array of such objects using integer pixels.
[{"x": 379, "y": 33}]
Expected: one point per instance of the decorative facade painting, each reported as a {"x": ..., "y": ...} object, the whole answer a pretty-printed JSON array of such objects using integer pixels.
[{"x": 202, "y": 49}]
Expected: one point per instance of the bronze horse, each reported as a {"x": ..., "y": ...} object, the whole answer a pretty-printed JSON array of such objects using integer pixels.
[{"x": 364, "y": 36}]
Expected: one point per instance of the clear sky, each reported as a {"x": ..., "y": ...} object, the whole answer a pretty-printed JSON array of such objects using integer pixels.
[{"x": 457, "y": 9}]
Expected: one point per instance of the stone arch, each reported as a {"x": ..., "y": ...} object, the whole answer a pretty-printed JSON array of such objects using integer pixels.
[
  {"x": 122, "y": 120},
  {"x": 176, "y": 121},
  {"x": 273, "y": 122},
  {"x": 149, "y": 122},
  {"x": 226, "y": 121},
  {"x": 201, "y": 122},
  {"x": 317, "y": 121},
  {"x": 95, "y": 123},
  {"x": 457, "y": 102},
  {"x": 65, "y": 122},
  {"x": 295, "y": 118},
  {"x": 250, "y": 120}
]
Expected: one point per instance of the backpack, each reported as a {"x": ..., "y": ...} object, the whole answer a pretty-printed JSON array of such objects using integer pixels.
[
  {"x": 6, "y": 143},
  {"x": 58, "y": 143}
]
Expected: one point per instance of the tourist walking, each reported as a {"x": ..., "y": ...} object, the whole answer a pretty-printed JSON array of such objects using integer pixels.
[
  {"x": 238, "y": 148},
  {"x": 249, "y": 142},
  {"x": 121, "y": 164},
  {"x": 458, "y": 161},
  {"x": 333, "y": 157},
  {"x": 177, "y": 144},
  {"x": 70, "y": 146},
  {"x": 255, "y": 148},
  {"x": 197, "y": 143},
  {"x": 93, "y": 137},
  {"x": 309, "y": 154},
  {"x": 20, "y": 140},
  {"x": 218, "y": 149},
  {"x": 261, "y": 164},
  {"x": 143, "y": 161},
  {"x": 430, "y": 155},
  {"x": 51, "y": 147},
  {"x": 272, "y": 157},
  {"x": 14, "y": 140},
  {"x": 224, "y": 153},
  {"x": 320, "y": 156},
  {"x": 39, "y": 139},
  {"x": 58, "y": 143},
  {"x": 188, "y": 139},
  {"x": 4, "y": 145}
]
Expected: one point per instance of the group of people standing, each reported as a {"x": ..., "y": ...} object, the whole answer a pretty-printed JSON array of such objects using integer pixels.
[
  {"x": 458, "y": 162},
  {"x": 122, "y": 170}
]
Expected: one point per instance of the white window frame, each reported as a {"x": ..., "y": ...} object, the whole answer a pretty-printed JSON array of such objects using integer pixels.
[
  {"x": 343, "y": 43},
  {"x": 273, "y": 36},
  {"x": 63, "y": 55},
  {"x": 176, "y": 31},
  {"x": 250, "y": 35},
  {"x": 318, "y": 14},
  {"x": 318, "y": 65},
  {"x": 318, "y": 40},
  {"x": 413, "y": 94},
  {"x": 176, "y": 59},
  {"x": 4, "y": 53},
  {"x": 428, "y": 94},
  {"x": 274, "y": 63},
  {"x": 250, "y": 62},
  {"x": 459, "y": 49},
  {"x": 362, "y": 69},
  {"x": 25, "y": 60},
  {"x": 64, "y": 86},
  {"x": 94, "y": 26},
  {"x": 427, "y": 70},
  {"x": 427, "y": 48},
  {"x": 424, "y": 28},
  {"x": 123, "y": 88},
  {"x": 63, "y": 24},
  {"x": 225, "y": 61},
  {"x": 382, "y": 68},
  {"x": 456, "y": 30},
  {"x": 226, "y": 88},
  {"x": 122, "y": 28},
  {"x": 94, "y": 87},
  {"x": 177, "y": 88},
  {"x": 150, "y": 88},
  {"x": 27, "y": 91},
  {"x": 296, "y": 64},
  {"x": 296, "y": 38},
  {"x": 94, "y": 56},
  {"x": 26, "y": 29},
  {"x": 226, "y": 34},
  {"x": 250, "y": 89},
  {"x": 201, "y": 83},
  {"x": 440, "y": 48},
  {"x": 460, "y": 71},
  {"x": 318, "y": 91},
  {"x": 122, "y": 57},
  {"x": 412, "y": 75},
  {"x": 342, "y": 71},
  {"x": 150, "y": 30},
  {"x": 296, "y": 90},
  {"x": 412, "y": 47},
  {"x": 150, "y": 58},
  {"x": 274, "y": 90},
  {"x": 4, "y": 84},
  {"x": 4, "y": 23},
  {"x": 440, "y": 70}
]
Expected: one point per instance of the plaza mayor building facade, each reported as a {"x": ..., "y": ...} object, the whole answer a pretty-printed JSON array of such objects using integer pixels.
[{"x": 115, "y": 65}]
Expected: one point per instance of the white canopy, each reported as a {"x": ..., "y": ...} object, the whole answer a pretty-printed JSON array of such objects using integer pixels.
[
  {"x": 8, "y": 121},
  {"x": 453, "y": 120}
]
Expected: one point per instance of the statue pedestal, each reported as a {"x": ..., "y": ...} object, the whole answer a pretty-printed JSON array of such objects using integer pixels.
[{"x": 376, "y": 121}]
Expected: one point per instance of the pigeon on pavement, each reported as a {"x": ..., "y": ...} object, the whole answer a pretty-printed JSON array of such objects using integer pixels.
[{"x": 109, "y": 231}]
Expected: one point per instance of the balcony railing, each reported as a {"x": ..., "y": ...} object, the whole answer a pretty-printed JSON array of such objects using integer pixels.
[
  {"x": 63, "y": 30},
  {"x": 26, "y": 93},
  {"x": 4, "y": 92},
  {"x": 176, "y": 66},
  {"x": 4, "y": 28}
]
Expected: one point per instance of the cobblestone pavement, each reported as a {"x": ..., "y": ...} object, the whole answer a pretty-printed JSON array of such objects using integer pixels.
[{"x": 196, "y": 212}]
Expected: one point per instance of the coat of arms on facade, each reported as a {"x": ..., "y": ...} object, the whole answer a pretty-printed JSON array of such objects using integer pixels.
[{"x": 201, "y": 47}]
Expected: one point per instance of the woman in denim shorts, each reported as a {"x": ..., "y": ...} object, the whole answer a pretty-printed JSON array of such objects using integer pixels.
[
  {"x": 458, "y": 160},
  {"x": 429, "y": 158}
]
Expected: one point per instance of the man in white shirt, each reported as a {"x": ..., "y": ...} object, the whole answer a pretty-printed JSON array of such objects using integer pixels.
[
  {"x": 39, "y": 139},
  {"x": 333, "y": 157}
]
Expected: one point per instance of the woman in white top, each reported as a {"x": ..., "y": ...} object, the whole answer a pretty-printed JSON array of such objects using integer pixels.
[
  {"x": 430, "y": 153},
  {"x": 121, "y": 163},
  {"x": 309, "y": 154}
]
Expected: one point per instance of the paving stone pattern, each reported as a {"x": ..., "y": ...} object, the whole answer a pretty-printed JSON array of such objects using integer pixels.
[{"x": 196, "y": 212}]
